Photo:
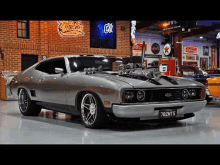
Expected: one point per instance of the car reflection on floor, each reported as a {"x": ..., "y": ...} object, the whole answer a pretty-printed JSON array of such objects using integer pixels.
[{"x": 52, "y": 127}]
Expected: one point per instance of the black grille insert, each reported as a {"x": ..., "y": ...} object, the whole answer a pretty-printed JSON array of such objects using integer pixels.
[{"x": 160, "y": 95}]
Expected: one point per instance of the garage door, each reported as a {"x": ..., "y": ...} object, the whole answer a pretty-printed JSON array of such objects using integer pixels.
[{"x": 28, "y": 60}]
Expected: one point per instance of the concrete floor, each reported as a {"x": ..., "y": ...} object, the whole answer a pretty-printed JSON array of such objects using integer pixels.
[{"x": 59, "y": 128}]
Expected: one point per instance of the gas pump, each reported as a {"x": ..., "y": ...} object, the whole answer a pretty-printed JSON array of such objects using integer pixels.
[{"x": 169, "y": 66}]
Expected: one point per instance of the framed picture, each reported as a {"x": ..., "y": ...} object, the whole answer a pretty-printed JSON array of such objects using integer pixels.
[
  {"x": 190, "y": 63},
  {"x": 204, "y": 63},
  {"x": 205, "y": 50},
  {"x": 190, "y": 57}
]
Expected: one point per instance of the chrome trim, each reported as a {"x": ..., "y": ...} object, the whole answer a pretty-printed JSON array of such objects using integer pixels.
[
  {"x": 148, "y": 110},
  {"x": 162, "y": 102}
]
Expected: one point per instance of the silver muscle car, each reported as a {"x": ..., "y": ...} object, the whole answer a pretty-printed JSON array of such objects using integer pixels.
[{"x": 85, "y": 85}]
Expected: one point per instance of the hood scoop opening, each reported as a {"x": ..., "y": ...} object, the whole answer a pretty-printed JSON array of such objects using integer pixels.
[{"x": 172, "y": 81}]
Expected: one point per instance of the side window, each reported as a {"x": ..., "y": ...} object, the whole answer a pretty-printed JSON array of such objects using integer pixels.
[
  {"x": 57, "y": 63},
  {"x": 43, "y": 67},
  {"x": 50, "y": 65}
]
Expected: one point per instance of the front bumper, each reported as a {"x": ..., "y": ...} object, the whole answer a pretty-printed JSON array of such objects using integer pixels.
[{"x": 147, "y": 111}]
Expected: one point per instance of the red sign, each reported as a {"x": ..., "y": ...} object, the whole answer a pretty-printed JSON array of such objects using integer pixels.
[
  {"x": 190, "y": 50},
  {"x": 155, "y": 48},
  {"x": 138, "y": 46}
]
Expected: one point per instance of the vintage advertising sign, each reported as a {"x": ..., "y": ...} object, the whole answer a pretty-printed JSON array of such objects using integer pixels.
[
  {"x": 167, "y": 49},
  {"x": 138, "y": 47},
  {"x": 190, "y": 57},
  {"x": 155, "y": 48},
  {"x": 70, "y": 28},
  {"x": 190, "y": 50}
]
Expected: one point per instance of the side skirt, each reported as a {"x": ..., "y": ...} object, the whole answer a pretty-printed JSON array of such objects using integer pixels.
[{"x": 59, "y": 107}]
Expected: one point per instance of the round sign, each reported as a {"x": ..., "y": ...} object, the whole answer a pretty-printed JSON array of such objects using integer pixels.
[
  {"x": 167, "y": 49},
  {"x": 155, "y": 48}
]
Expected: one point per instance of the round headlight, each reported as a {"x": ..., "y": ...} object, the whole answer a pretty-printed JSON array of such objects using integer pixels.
[
  {"x": 192, "y": 92},
  {"x": 129, "y": 95},
  {"x": 185, "y": 94},
  {"x": 140, "y": 95}
]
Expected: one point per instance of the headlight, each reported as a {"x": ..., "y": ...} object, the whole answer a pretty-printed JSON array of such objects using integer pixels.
[
  {"x": 192, "y": 92},
  {"x": 140, "y": 95},
  {"x": 127, "y": 96},
  {"x": 185, "y": 94}
]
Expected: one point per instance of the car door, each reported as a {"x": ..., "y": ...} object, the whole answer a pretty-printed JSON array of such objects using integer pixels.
[{"x": 52, "y": 86}]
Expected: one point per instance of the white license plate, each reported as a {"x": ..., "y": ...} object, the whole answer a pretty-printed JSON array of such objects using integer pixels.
[{"x": 168, "y": 113}]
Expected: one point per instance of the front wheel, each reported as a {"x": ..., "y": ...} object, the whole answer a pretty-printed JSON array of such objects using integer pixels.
[
  {"x": 92, "y": 114},
  {"x": 26, "y": 106}
]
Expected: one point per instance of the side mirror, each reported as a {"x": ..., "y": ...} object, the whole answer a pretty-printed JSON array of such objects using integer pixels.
[{"x": 59, "y": 71}]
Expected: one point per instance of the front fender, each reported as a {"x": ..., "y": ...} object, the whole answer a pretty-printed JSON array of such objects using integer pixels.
[{"x": 107, "y": 90}]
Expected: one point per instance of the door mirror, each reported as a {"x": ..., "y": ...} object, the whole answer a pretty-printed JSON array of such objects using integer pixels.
[{"x": 59, "y": 70}]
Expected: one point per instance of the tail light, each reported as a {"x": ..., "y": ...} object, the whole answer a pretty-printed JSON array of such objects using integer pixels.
[{"x": 202, "y": 93}]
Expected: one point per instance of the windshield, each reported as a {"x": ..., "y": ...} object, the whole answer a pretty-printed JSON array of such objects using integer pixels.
[{"x": 80, "y": 63}]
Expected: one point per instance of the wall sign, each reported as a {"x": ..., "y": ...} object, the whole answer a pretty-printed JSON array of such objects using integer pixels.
[
  {"x": 70, "y": 28},
  {"x": 167, "y": 49},
  {"x": 155, "y": 48},
  {"x": 190, "y": 50},
  {"x": 103, "y": 34},
  {"x": 190, "y": 57},
  {"x": 138, "y": 47}
]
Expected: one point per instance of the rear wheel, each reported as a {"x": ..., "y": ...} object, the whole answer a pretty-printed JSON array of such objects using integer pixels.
[
  {"x": 92, "y": 114},
  {"x": 26, "y": 106}
]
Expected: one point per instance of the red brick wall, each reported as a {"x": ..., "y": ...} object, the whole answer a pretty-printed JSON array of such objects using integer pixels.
[{"x": 45, "y": 40}]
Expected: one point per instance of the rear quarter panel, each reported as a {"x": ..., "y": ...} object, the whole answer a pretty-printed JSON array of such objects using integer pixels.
[{"x": 28, "y": 80}]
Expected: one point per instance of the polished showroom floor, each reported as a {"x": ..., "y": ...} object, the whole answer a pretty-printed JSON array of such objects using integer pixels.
[{"x": 58, "y": 128}]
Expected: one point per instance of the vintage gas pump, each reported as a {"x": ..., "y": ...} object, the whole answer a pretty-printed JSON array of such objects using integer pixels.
[{"x": 169, "y": 66}]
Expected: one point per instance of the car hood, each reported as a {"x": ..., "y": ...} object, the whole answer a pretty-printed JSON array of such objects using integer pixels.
[{"x": 162, "y": 82}]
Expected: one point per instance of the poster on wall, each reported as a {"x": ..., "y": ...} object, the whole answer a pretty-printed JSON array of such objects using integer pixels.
[
  {"x": 204, "y": 63},
  {"x": 103, "y": 34},
  {"x": 190, "y": 50},
  {"x": 205, "y": 50}
]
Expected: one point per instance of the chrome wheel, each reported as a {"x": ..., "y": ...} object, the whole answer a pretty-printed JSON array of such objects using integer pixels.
[
  {"x": 23, "y": 100},
  {"x": 89, "y": 109}
]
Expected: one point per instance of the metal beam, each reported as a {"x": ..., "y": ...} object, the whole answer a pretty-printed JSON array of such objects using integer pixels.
[{"x": 202, "y": 30}]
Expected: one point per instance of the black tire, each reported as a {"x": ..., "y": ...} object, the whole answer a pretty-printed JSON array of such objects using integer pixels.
[
  {"x": 92, "y": 116},
  {"x": 26, "y": 106}
]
